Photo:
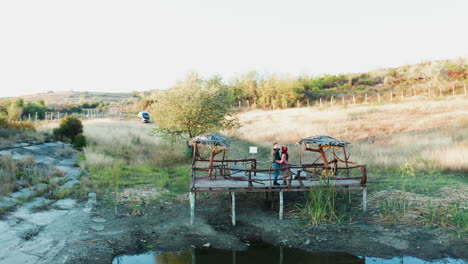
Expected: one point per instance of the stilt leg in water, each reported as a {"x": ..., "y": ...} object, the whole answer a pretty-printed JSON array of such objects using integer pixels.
[
  {"x": 281, "y": 206},
  {"x": 233, "y": 196},
  {"x": 364, "y": 200},
  {"x": 192, "y": 207}
]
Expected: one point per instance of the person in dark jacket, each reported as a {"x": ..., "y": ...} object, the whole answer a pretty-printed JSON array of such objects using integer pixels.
[{"x": 275, "y": 153}]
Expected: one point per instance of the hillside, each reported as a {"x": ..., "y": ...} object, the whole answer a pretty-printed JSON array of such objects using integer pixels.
[
  {"x": 433, "y": 78},
  {"x": 74, "y": 98}
]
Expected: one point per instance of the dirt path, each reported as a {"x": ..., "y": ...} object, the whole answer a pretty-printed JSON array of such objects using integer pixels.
[{"x": 166, "y": 228}]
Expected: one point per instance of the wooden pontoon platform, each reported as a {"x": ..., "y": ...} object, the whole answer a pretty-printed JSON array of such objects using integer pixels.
[{"x": 233, "y": 176}]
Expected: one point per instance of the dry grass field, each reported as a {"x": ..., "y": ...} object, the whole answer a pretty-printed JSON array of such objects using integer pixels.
[
  {"x": 429, "y": 134},
  {"x": 128, "y": 143}
]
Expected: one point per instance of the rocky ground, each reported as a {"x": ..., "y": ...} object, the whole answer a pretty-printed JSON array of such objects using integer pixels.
[
  {"x": 33, "y": 228},
  {"x": 42, "y": 230}
]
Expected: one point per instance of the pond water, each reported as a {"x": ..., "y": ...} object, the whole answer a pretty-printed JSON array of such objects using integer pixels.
[{"x": 265, "y": 254}]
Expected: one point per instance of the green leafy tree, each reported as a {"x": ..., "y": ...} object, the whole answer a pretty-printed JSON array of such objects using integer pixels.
[
  {"x": 193, "y": 106},
  {"x": 15, "y": 110}
]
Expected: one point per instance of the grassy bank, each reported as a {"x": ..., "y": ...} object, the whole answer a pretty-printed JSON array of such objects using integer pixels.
[{"x": 123, "y": 155}]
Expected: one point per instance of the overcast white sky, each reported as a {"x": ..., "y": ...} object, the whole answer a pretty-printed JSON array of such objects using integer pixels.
[{"x": 122, "y": 46}]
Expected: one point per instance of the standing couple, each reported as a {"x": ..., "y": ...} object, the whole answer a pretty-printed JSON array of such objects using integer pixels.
[{"x": 279, "y": 161}]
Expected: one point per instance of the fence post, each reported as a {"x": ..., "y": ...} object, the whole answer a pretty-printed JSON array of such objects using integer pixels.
[
  {"x": 402, "y": 95},
  {"x": 464, "y": 86},
  {"x": 320, "y": 102},
  {"x": 391, "y": 96},
  {"x": 378, "y": 96},
  {"x": 453, "y": 89},
  {"x": 440, "y": 90},
  {"x": 248, "y": 104},
  {"x": 414, "y": 92},
  {"x": 240, "y": 105},
  {"x": 354, "y": 100},
  {"x": 342, "y": 99},
  {"x": 29, "y": 117},
  {"x": 365, "y": 98},
  {"x": 331, "y": 100},
  {"x": 308, "y": 99},
  {"x": 36, "y": 116}
]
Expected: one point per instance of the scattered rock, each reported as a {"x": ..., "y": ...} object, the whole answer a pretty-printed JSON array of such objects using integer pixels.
[
  {"x": 207, "y": 245},
  {"x": 99, "y": 220},
  {"x": 97, "y": 228},
  {"x": 65, "y": 204}
]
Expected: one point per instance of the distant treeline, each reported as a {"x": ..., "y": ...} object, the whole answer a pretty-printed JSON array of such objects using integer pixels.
[
  {"x": 16, "y": 109},
  {"x": 282, "y": 92}
]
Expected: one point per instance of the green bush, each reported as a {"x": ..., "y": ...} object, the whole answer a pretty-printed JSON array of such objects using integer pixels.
[
  {"x": 69, "y": 128},
  {"x": 3, "y": 121},
  {"x": 79, "y": 142}
]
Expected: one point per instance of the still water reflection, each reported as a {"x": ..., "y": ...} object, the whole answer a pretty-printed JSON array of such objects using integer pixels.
[{"x": 264, "y": 254}]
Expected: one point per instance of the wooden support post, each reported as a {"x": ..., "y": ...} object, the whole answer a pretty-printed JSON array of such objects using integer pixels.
[
  {"x": 365, "y": 98},
  {"x": 234, "y": 260},
  {"x": 320, "y": 102},
  {"x": 453, "y": 89},
  {"x": 308, "y": 100},
  {"x": 194, "y": 256},
  {"x": 281, "y": 205},
  {"x": 464, "y": 87},
  {"x": 364, "y": 200},
  {"x": 281, "y": 256},
  {"x": 233, "y": 198},
  {"x": 378, "y": 96},
  {"x": 354, "y": 99},
  {"x": 391, "y": 96},
  {"x": 192, "y": 207}
]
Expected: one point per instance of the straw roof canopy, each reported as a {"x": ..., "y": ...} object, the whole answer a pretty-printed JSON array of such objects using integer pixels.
[
  {"x": 211, "y": 139},
  {"x": 323, "y": 141}
]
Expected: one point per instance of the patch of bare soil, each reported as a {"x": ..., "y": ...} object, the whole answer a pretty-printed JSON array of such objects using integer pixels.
[{"x": 165, "y": 227}]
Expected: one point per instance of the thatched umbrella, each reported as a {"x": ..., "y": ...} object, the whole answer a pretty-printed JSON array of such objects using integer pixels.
[
  {"x": 324, "y": 141},
  {"x": 321, "y": 141},
  {"x": 212, "y": 140}
]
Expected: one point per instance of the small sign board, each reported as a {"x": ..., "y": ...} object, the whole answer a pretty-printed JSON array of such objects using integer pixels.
[{"x": 253, "y": 150}]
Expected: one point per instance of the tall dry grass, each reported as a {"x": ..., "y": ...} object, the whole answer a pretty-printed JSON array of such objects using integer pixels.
[
  {"x": 429, "y": 134},
  {"x": 128, "y": 143}
]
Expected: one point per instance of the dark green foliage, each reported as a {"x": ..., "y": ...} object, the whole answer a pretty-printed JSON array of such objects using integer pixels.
[
  {"x": 79, "y": 142},
  {"x": 69, "y": 128}
]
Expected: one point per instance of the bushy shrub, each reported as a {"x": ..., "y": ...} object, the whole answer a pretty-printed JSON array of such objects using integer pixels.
[
  {"x": 69, "y": 128},
  {"x": 79, "y": 142},
  {"x": 21, "y": 125},
  {"x": 3, "y": 121}
]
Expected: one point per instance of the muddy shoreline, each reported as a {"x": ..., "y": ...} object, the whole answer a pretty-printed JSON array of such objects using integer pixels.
[{"x": 165, "y": 227}]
